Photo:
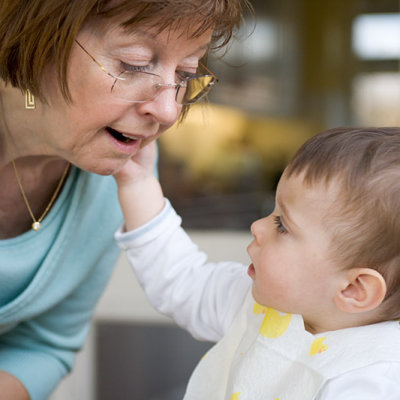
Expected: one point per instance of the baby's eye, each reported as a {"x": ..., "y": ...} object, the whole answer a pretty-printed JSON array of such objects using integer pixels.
[{"x": 279, "y": 226}]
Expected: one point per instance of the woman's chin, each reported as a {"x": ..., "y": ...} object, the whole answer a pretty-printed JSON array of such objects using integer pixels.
[{"x": 103, "y": 167}]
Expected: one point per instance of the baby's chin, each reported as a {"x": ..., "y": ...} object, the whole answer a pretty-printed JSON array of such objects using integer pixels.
[
  {"x": 258, "y": 299},
  {"x": 263, "y": 302}
]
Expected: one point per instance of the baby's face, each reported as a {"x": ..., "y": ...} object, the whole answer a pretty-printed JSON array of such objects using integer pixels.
[{"x": 292, "y": 267}]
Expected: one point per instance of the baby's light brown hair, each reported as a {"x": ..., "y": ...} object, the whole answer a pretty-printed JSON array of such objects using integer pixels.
[{"x": 365, "y": 220}]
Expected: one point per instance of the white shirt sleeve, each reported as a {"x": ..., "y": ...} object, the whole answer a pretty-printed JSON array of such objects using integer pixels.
[
  {"x": 374, "y": 382},
  {"x": 202, "y": 297}
]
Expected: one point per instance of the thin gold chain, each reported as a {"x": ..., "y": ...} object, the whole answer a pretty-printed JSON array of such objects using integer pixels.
[
  {"x": 36, "y": 225},
  {"x": 40, "y": 219}
]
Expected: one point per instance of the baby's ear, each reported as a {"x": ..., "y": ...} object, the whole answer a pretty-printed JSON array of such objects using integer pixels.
[{"x": 363, "y": 290}]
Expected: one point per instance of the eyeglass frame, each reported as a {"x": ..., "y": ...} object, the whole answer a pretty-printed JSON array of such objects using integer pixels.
[{"x": 177, "y": 86}]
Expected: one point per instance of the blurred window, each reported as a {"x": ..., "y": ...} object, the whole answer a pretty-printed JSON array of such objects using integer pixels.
[
  {"x": 297, "y": 69},
  {"x": 376, "y": 86},
  {"x": 377, "y": 36}
]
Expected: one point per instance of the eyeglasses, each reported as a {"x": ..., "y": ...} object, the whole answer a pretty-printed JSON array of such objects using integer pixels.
[{"x": 142, "y": 86}]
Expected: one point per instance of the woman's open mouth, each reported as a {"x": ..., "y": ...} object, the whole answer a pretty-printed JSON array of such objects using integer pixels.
[
  {"x": 125, "y": 143},
  {"x": 120, "y": 136}
]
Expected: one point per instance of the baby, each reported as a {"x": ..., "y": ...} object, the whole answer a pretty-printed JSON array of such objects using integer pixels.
[{"x": 315, "y": 315}]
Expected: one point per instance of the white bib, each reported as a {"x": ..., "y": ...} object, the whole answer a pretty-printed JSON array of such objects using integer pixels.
[{"x": 268, "y": 355}]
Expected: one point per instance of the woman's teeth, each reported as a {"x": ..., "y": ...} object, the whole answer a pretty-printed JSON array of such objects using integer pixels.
[
  {"x": 130, "y": 137},
  {"x": 121, "y": 136}
]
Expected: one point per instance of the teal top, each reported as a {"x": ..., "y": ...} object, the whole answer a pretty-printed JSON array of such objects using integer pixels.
[{"x": 50, "y": 281}]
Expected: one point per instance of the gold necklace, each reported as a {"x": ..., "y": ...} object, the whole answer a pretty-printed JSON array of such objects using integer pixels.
[{"x": 36, "y": 225}]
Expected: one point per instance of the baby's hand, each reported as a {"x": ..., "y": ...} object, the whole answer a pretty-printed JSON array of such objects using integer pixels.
[
  {"x": 139, "y": 192},
  {"x": 139, "y": 167}
]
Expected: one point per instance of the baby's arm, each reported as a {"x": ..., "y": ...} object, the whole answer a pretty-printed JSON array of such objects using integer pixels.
[{"x": 202, "y": 297}]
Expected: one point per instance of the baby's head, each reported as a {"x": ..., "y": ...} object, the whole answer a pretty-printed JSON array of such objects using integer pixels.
[{"x": 364, "y": 218}]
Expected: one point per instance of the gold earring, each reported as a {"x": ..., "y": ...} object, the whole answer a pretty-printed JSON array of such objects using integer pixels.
[{"x": 29, "y": 100}]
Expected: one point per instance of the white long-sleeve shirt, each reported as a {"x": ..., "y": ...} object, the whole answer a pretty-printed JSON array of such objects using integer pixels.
[{"x": 206, "y": 299}]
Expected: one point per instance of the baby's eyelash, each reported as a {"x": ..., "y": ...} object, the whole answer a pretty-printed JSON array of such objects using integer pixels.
[{"x": 279, "y": 226}]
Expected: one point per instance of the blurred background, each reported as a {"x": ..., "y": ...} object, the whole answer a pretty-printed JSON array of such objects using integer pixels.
[{"x": 303, "y": 66}]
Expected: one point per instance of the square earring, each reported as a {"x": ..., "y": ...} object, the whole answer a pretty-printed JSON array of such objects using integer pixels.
[{"x": 29, "y": 100}]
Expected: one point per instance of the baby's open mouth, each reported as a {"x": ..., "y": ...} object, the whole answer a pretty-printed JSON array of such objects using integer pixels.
[{"x": 119, "y": 136}]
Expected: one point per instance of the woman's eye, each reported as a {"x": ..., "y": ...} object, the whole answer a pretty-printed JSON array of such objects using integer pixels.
[
  {"x": 184, "y": 76},
  {"x": 133, "y": 68},
  {"x": 279, "y": 226}
]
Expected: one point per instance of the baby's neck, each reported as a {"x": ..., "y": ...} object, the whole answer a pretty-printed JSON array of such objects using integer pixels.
[{"x": 334, "y": 324}]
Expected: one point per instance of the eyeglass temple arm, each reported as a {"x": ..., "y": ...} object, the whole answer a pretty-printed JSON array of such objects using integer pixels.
[
  {"x": 210, "y": 72},
  {"x": 97, "y": 63}
]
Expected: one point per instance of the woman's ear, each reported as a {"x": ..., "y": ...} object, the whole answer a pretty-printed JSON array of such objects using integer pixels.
[{"x": 363, "y": 290}]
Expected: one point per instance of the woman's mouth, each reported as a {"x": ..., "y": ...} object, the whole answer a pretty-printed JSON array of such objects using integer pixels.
[
  {"x": 125, "y": 143},
  {"x": 121, "y": 137}
]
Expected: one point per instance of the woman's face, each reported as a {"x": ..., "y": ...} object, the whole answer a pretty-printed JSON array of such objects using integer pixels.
[{"x": 84, "y": 131}]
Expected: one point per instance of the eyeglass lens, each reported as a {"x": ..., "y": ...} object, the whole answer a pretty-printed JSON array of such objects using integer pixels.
[{"x": 141, "y": 86}]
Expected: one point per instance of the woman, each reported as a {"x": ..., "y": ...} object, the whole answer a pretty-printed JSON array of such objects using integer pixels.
[{"x": 84, "y": 85}]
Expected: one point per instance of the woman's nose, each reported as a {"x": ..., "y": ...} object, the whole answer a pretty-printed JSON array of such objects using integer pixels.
[{"x": 163, "y": 107}]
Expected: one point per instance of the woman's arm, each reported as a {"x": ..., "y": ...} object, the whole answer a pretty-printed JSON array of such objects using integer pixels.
[{"x": 11, "y": 388}]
